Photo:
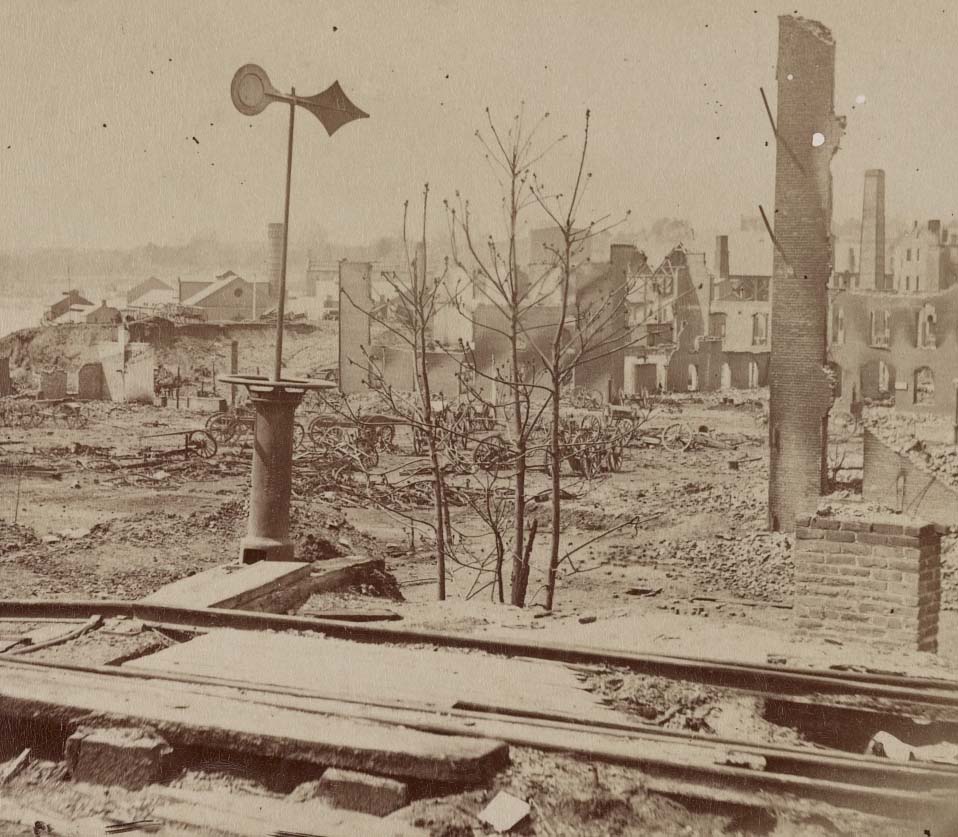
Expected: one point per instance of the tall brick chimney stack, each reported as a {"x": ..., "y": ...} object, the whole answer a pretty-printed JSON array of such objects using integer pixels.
[
  {"x": 872, "y": 271},
  {"x": 800, "y": 392},
  {"x": 274, "y": 258},
  {"x": 721, "y": 257},
  {"x": 851, "y": 259}
]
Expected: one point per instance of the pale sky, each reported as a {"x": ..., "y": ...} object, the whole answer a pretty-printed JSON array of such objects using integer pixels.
[{"x": 101, "y": 100}]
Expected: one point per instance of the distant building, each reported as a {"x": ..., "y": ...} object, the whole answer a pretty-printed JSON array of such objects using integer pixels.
[
  {"x": 700, "y": 330},
  {"x": 104, "y": 314},
  {"x": 896, "y": 340},
  {"x": 70, "y": 301},
  {"x": 150, "y": 292},
  {"x": 231, "y": 298}
]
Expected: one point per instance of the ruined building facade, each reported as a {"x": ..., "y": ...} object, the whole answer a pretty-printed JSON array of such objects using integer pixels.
[{"x": 896, "y": 342}]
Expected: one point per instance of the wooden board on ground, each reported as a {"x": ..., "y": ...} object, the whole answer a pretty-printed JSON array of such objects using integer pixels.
[
  {"x": 374, "y": 673},
  {"x": 228, "y": 721}
]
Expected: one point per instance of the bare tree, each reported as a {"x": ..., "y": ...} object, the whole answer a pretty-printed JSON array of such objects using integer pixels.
[
  {"x": 511, "y": 155},
  {"x": 416, "y": 299}
]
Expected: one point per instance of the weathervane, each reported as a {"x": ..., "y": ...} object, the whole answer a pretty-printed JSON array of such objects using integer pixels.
[
  {"x": 252, "y": 92},
  {"x": 275, "y": 400}
]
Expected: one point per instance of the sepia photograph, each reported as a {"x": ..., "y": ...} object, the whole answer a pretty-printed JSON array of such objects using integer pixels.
[{"x": 456, "y": 418}]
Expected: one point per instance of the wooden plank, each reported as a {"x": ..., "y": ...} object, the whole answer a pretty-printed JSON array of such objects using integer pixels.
[
  {"x": 362, "y": 672},
  {"x": 232, "y": 585},
  {"x": 187, "y": 718}
]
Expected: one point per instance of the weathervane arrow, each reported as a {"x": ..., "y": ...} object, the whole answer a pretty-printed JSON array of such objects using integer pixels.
[{"x": 252, "y": 91}]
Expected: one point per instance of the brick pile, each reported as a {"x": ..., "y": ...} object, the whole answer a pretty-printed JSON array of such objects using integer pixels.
[{"x": 876, "y": 581}]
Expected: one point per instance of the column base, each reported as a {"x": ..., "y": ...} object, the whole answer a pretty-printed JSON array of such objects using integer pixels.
[{"x": 253, "y": 549}]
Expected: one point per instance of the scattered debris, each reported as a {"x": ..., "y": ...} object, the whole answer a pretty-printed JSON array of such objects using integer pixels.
[{"x": 505, "y": 812}]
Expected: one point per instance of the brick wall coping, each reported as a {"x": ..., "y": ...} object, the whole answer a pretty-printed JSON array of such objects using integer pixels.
[{"x": 911, "y": 529}]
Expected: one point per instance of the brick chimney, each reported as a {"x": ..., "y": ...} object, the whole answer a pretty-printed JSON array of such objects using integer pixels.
[
  {"x": 274, "y": 258},
  {"x": 872, "y": 269},
  {"x": 721, "y": 257}
]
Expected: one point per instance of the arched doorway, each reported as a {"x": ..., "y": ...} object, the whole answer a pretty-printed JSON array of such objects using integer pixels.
[
  {"x": 693, "y": 377},
  {"x": 752, "y": 374},
  {"x": 726, "y": 382}
]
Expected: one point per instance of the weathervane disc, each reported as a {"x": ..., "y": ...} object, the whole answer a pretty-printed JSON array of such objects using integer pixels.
[
  {"x": 332, "y": 107},
  {"x": 251, "y": 90}
]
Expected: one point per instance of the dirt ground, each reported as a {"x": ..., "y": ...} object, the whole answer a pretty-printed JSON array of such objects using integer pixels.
[{"x": 697, "y": 574}]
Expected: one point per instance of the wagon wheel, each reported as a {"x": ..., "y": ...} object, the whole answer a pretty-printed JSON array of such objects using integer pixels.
[
  {"x": 614, "y": 456},
  {"x": 385, "y": 435},
  {"x": 420, "y": 440},
  {"x": 624, "y": 429},
  {"x": 336, "y": 436},
  {"x": 317, "y": 430},
  {"x": 299, "y": 436},
  {"x": 366, "y": 456},
  {"x": 73, "y": 419},
  {"x": 31, "y": 417},
  {"x": 202, "y": 444},
  {"x": 239, "y": 429},
  {"x": 490, "y": 454},
  {"x": 591, "y": 423},
  {"x": 458, "y": 461},
  {"x": 220, "y": 426},
  {"x": 676, "y": 437}
]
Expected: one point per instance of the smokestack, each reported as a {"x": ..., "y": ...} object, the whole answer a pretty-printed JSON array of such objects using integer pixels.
[
  {"x": 873, "y": 231},
  {"x": 800, "y": 393},
  {"x": 721, "y": 256},
  {"x": 274, "y": 258},
  {"x": 851, "y": 259}
]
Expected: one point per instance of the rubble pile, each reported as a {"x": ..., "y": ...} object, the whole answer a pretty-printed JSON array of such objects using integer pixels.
[
  {"x": 13, "y": 538},
  {"x": 925, "y": 440}
]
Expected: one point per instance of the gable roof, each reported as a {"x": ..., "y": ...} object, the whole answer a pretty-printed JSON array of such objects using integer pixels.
[
  {"x": 229, "y": 278},
  {"x": 144, "y": 287}
]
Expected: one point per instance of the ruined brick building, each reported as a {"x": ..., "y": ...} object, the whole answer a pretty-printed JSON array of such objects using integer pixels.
[
  {"x": 893, "y": 334},
  {"x": 696, "y": 329}
]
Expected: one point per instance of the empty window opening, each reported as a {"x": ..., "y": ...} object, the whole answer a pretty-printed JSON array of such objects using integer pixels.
[
  {"x": 925, "y": 332},
  {"x": 924, "y": 386},
  {"x": 884, "y": 378}
]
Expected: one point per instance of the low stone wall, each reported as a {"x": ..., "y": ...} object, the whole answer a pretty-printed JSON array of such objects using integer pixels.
[{"x": 879, "y": 582}]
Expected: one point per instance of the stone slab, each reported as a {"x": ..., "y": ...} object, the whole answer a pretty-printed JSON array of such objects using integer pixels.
[
  {"x": 226, "y": 719},
  {"x": 255, "y": 816},
  {"x": 354, "y": 791},
  {"x": 126, "y": 757},
  {"x": 232, "y": 585},
  {"x": 438, "y": 679}
]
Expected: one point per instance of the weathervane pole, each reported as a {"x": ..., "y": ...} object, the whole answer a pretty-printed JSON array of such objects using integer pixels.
[{"x": 281, "y": 303}]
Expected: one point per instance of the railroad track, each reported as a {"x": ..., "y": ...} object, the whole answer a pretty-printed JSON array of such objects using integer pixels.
[
  {"x": 679, "y": 764},
  {"x": 938, "y": 695}
]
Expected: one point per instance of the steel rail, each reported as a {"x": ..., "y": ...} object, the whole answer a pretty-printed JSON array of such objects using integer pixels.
[
  {"x": 759, "y": 678},
  {"x": 866, "y": 783}
]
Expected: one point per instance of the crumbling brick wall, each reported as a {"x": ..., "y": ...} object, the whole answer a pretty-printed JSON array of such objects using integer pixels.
[
  {"x": 894, "y": 481},
  {"x": 876, "y": 581},
  {"x": 800, "y": 393}
]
